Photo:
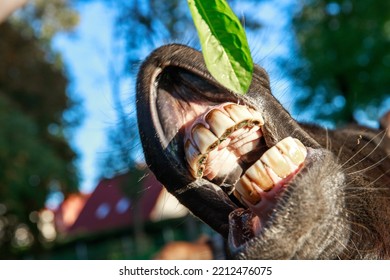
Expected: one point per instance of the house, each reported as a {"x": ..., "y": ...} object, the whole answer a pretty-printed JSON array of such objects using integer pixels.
[
  {"x": 110, "y": 207},
  {"x": 129, "y": 216}
]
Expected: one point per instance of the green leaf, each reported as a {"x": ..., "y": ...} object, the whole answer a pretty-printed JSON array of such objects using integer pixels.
[{"x": 224, "y": 44}]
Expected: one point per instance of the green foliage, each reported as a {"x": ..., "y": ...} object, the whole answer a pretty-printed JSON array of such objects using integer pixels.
[
  {"x": 44, "y": 19},
  {"x": 26, "y": 160},
  {"x": 224, "y": 45},
  {"x": 150, "y": 22},
  {"x": 344, "y": 46},
  {"x": 35, "y": 156}
]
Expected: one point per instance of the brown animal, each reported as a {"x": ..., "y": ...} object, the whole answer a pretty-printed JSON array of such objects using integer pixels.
[
  {"x": 274, "y": 188},
  {"x": 385, "y": 125}
]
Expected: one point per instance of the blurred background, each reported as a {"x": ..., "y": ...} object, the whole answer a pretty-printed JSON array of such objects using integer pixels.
[{"x": 73, "y": 184}]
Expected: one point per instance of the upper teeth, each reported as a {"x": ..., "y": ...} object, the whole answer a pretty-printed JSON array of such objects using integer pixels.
[
  {"x": 220, "y": 124},
  {"x": 204, "y": 139},
  {"x": 227, "y": 126},
  {"x": 238, "y": 113}
]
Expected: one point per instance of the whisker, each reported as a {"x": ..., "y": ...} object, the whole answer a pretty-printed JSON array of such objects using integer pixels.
[
  {"x": 328, "y": 147},
  {"x": 369, "y": 167},
  {"x": 363, "y": 148},
  {"x": 373, "y": 182},
  {"x": 342, "y": 147}
]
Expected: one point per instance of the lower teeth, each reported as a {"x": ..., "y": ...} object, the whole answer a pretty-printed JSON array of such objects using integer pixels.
[{"x": 276, "y": 164}]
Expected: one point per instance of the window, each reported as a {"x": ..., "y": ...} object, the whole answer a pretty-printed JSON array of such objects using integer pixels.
[
  {"x": 122, "y": 205},
  {"x": 103, "y": 210}
]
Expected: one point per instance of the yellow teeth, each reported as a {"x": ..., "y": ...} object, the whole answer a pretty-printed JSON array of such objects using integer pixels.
[
  {"x": 220, "y": 124},
  {"x": 275, "y": 160},
  {"x": 258, "y": 174},
  {"x": 204, "y": 139},
  {"x": 276, "y": 163},
  {"x": 226, "y": 134},
  {"x": 231, "y": 126},
  {"x": 239, "y": 114},
  {"x": 257, "y": 117},
  {"x": 293, "y": 149},
  {"x": 247, "y": 190},
  {"x": 195, "y": 159},
  {"x": 247, "y": 144}
]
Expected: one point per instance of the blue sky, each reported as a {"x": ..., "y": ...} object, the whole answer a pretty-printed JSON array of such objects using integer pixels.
[{"x": 86, "y": 53}]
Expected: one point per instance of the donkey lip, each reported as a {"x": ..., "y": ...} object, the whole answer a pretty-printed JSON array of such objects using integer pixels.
[
  {"x": 247, "y": 225},
  {"x": 244, "y": 225}
]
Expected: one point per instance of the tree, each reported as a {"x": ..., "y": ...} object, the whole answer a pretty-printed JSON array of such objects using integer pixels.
[
  {"x": 35, "y": 156},
  {"x": 344, "y": 63}
]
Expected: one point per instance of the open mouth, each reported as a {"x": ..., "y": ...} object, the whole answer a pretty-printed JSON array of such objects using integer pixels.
[
  {"x": 229, "y": 137},
  {"x": 207, "y": 136}
]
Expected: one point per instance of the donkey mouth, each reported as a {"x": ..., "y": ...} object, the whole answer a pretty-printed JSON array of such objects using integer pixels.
[
  {"x": 225, "y": 145},
  {"x": 215, "y": 136}
]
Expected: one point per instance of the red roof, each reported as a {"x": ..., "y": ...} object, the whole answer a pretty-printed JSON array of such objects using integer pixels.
[
  {"x": 108, "y": 207},
  {"x": 69, "y": 210}
]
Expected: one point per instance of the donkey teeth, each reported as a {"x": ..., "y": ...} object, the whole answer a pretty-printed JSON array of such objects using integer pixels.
[
  {"x": 220, "y": 124},
  {"x": 257, "y": 117},
  {"x": 258, "y": 174},
  {"x": 293, "y": 149},
  {"x": 246, "y": 189},
  {"x": 285, "y": 157},
  {"x": 275, "y": 164},
  {"x": 204, "y": 139},
  {"x": 239, "y": 114},
  {"x": 275, "y": 160},
  {"x": 195, "y": 160},
  {"x": 232, "y": 126}
]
